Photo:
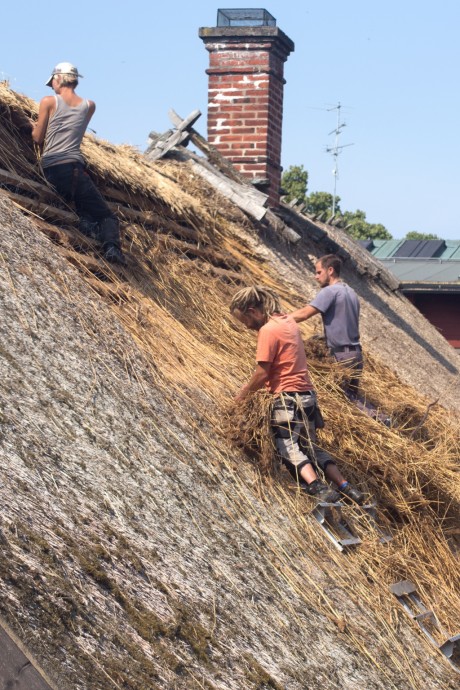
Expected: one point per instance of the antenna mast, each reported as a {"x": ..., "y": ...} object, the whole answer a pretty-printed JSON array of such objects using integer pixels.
[{"x": 335, "y": 150}]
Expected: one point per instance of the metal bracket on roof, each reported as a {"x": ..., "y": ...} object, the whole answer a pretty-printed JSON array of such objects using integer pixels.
[
  {"x": 329, "y": 516},
  {"x": 406, "y": 593}
]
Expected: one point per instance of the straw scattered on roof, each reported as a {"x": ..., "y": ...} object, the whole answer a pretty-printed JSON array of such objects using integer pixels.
[{"x": 176, "y": 311}]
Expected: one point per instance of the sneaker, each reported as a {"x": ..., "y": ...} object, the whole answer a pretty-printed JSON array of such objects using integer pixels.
[
  {"x": 114, "y": 255},
  {"x": 353, "y": 494},
  {"x": 322, "y": 492}
]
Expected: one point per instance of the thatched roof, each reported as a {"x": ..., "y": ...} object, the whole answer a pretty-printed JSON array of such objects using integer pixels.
[{"x": 141, "y": 546}]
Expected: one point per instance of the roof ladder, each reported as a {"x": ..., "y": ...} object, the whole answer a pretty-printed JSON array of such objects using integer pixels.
[
  {"x": 406, "y": 593},
  {"x": 330, "y": 518},
  {"x": 338, "y": 530}
]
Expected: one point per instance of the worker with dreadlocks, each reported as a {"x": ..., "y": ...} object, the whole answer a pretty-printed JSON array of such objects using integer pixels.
[
  {"x": 62, "y": 121},
  {"x": 339, "y": 307},
  {"x": 282, "y": 368}
]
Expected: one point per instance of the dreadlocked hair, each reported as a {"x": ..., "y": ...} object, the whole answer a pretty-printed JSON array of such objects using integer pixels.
[{"x": 256, "y": 297}]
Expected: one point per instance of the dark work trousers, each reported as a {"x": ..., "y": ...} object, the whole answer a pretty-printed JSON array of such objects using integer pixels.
[
  {"x": 73, "y": 183},
  {"x": 353, "y": 360}
]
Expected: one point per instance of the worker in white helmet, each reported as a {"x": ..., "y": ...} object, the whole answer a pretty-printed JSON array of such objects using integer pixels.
[{"x": 62, "y": 122}]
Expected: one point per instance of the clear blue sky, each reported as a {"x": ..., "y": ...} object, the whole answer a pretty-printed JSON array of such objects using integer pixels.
[{"x": 394, "y": 66}]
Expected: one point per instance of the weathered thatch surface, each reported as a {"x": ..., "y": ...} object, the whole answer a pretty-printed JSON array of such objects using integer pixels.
[{"x": 140, "y": 548}]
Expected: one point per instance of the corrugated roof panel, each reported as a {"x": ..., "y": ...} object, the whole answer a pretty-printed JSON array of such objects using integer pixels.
[
  {"x": 453, "y": 250},
  {"x": 385, "y": 248},
  {"x": 443, "y": 249}
]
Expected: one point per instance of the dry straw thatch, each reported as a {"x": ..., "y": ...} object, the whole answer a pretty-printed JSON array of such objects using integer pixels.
[{"x": 175, "y": 311}]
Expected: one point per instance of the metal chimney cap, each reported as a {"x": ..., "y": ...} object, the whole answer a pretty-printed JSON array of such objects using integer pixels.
[{"x": 245, "y": 17}]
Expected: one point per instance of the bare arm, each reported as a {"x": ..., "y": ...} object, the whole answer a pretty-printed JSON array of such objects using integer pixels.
[
  {"x": 258, "y": 379},
  {"x": 304, "y": 313},
  {"x": 45, "y": 110},
  {"x": 91, "y": 110}
]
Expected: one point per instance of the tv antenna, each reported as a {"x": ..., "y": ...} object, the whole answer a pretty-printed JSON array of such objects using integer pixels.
[{"x": 336, "y": 150}]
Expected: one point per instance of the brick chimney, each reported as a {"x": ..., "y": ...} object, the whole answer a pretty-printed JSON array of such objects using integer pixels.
[{"x": 247, "y": 53}]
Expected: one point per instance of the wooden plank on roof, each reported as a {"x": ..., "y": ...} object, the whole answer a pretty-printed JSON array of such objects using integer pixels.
[
  {"x": 128, "y": 197},
  {"x": 249, "y": 192},
  {"x": 161, "y": 224},
  {"x": 213, "y": 155},
  {"x": 43, "y": 210},
  {"x": 300, "y": 223},
  {"x": 160, "y": 147},
  {"x": 13, "y": 179},
  {"x": 228, "y": 181},
  {"x": 17, "y": 668},
  {"x": 186, "y": 124},
  {"x": 226, "y": 275},
  {"x": 281, "y": 228},
  {"x": 236, "y": 193},
  {"x": 203, "y": 252}
]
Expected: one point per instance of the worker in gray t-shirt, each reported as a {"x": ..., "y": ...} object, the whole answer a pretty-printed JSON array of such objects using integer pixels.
[
  {"x": 338, "y": 305},
  {"x": 339, "y": 308}
]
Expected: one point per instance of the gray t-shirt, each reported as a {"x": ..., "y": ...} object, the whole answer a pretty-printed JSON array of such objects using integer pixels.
[{"x": 339, "y": 307}]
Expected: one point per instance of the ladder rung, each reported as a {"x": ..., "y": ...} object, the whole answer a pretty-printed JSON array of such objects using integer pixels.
[
  {"x": 350, "y": 541},
  {"x": 425, "y": 615}
]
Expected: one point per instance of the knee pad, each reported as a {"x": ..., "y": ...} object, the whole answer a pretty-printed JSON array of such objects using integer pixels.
[{"x": 294, "y": 470}]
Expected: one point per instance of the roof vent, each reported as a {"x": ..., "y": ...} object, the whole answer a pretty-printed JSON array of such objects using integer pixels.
[{"x": 256, "y": 17}]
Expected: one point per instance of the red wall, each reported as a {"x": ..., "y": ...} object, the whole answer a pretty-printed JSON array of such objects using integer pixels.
[{"x": 442, "y": 310}]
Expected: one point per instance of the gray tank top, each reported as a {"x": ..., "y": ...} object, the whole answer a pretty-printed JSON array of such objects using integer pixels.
[{"x": 64, "y": 133}]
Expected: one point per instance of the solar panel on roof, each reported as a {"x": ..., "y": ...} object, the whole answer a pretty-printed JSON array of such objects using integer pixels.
[
  {"x": 422, "y": 249},
  {"x": 408, "y": 248},
  {"x": 431, "y": 249}
]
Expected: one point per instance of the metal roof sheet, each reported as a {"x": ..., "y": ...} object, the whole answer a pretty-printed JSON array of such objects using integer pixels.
[
  {"x": 384, "y": 249},
  {"x": 424, "y": 270}
]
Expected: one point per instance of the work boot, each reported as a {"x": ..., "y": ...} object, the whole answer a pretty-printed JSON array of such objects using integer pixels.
[
  {"x": 322, "y": 492},
  {"x": 114, "y": 255},
  {"x": 353, "y": 494}
]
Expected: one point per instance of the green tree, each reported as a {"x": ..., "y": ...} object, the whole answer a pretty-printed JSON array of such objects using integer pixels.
[
  {"x": 357, "y": 226},
  {"x": 321, "y": 202},
  {"x": 294, "y": 183},
  {"x": 414, "y": 235}
]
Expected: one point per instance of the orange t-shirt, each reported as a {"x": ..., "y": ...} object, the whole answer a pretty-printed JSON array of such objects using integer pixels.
[{"x": 280, "y": 343}]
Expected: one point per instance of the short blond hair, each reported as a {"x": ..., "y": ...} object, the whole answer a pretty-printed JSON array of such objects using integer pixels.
[
  {"x": 256, "y": 297},
  {"x": 67, "y": 80}
]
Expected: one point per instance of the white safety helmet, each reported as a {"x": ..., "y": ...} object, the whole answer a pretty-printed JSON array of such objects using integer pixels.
[{"x": 64, "y": 68}]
